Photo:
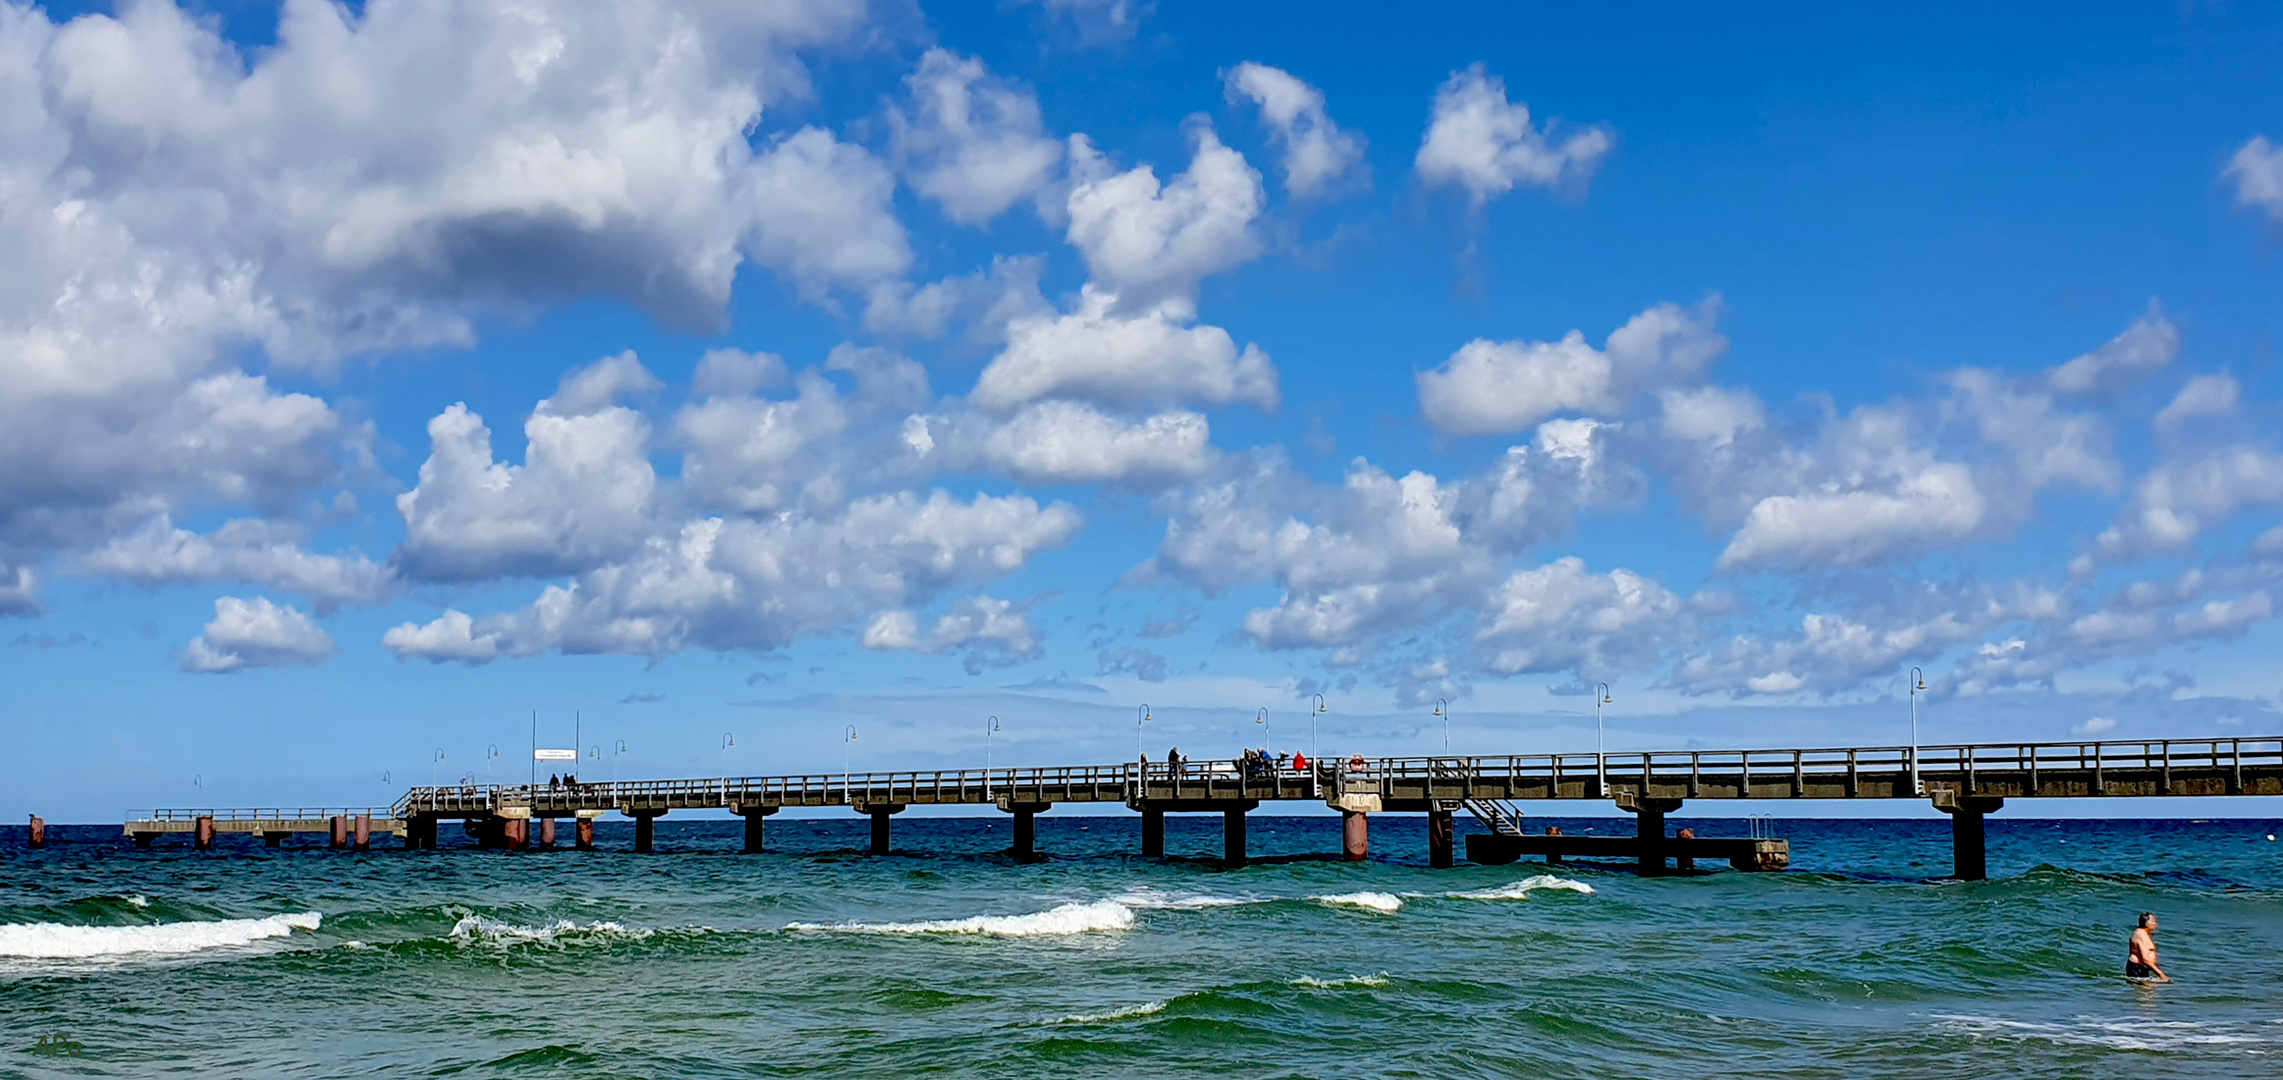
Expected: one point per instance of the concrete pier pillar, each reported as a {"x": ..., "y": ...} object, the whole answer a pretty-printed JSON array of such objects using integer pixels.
[
  {"x": 515, "y": 833},
  {"x": 1153, "y": 834},
  {"x": 202, "y": 834},
  {"x": 1233, "y": 837},
  {"x": 1441, "y": 839},
  {"x": 423, "y": 833},
  {"x": 1355, "y": 835},
  {"x": 364, "y": 834},
  {"x": 880, "y": 829},
  {"x": 586, "y": 840},
  {"x": 340, "y": 830},
  {"x": 547, "y": 832},
  {"x": 645, "y": 832},
  {"x": 1649, "y": 829},
  {"x": 756, "y": 827},
  {"x": 273, "y": 839},
  {"x": 143, "y": 839},
  {"x": 39, "y": 832},
  {"x": 1969, "y": 850}
]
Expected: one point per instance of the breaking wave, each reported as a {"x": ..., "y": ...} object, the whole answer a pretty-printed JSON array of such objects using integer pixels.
[
  {"x": 52, "y": 941},
  {"x": 1066, "y": 919},
  {"x": 477, "y": 930},
  {"x": 1386, "y": 903},
  {"x": 2115, "y": 1034},
  {"x": 1519, "y": 890},
  {"x": 1314, "y": 983}
]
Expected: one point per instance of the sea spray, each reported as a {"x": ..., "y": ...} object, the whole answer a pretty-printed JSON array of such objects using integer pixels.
[
  {"x": 1065, "y": 919},
  {"x": 52, "y": 941}
]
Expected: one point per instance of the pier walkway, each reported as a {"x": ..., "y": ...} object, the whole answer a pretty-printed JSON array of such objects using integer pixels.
[{"x": 1966, "y": 782}]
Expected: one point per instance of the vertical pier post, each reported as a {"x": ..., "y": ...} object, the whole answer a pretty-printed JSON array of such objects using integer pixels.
[
  {"x": 273, "y": 839},
  {"x": 646, "y": 831},
  {"x": 340, "y": 831},
  {"x": 1441, "y": 839},
  {"x": 586, "y": 833},
  {"x": 880, "y": 816},
  {"x": 1153, "y": 833},
  {"x": 202, "y": 834},
  {"x": 1355, "y": 835},
  {"x": 1648, "y": 828},
  {"x": 1026, "y": 827},
  {"x": 364, "y": 834},
  {"x": 1969, "y": 849},
  {"x": 39, "y": 832},
  {"x": 756, "y": 826},
  {"x": 1233, "y": 837},
  {"x": 516, "y": 832},
  {"x": 547, "y": 832}
]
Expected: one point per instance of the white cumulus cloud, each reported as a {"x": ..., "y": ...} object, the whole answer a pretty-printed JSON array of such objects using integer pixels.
[
  {"x": 1318, "y": 155},
  {"x": 1481, "y": 141},
  {"x": 256, "y": 633}
]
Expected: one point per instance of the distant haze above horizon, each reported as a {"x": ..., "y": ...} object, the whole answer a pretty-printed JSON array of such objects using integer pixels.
[{"x": 388, "y": 389}]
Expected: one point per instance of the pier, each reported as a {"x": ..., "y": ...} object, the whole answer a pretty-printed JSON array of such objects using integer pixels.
[{"x": 1966, "y": 782}]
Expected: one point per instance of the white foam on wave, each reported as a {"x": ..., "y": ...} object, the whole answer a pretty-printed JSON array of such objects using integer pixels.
[
  {"x": 1120, "y": 1014},
  {"x": 1521, "y": 890},
  {"x": 477, "y": 930},
  {"x": 1149, "y": 899},
  {"x": 1072, "y": 918},
  {"x": 1314, "y": 983},
  {"x": 2126, "y": 1033},
  {"x": 54, "y": 941},
  {"x": 1385, "y": 903},
  {"x": 137, "y": 899}
]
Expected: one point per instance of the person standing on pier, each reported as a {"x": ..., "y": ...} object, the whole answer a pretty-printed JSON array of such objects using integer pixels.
[{"x": 2140, "y": 956}]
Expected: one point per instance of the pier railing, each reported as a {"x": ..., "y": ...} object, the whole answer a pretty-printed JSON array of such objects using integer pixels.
[
  {"x": 264, "y": 813},
  {"x": 1897, "y": 770}
]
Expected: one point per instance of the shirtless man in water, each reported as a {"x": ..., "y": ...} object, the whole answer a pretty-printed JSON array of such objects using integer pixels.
[{"x": 2140, "y": 956}]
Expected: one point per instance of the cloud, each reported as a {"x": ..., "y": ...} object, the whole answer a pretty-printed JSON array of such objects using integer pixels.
[
  {"x": 1318, "y": 155},
  {"x": 1148, "y": 359},
  {"x": 2203, "y": 395},
  {"x": 1061, "y": 683},
  {"x": 1060, "y": 442},
  {"x": 19, "y": 591},
  {"x": 1490, "y": 387},
  {"x": 992, "y": 632},
  {"x": 1097, "y": 22},
  {"x": 247, "y": 551},
  {"x": 970, "y": 141},
  {"x": 1936, "y": 503},
  {"x": 450, "y": 636},
  {"x": 256, "y": 634},
  {"x": 1149, "y": 243},
  {"x": 824, "y": 215},
  {"x": 2175, "y": 501},
  {"x": 2257, "y": 169},
  {"x": 1562, "y": 617},
  {"x": 2145, "y": 347},
  {"x": 1480, "y": 141},
  {"x": 1139, "y": 663},
  {"x": 2099, "y": 725},
  {"x": 642, "y": 699}
]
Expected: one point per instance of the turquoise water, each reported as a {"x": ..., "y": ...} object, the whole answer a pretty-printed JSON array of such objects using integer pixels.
[{"x": 947, "y": 959}]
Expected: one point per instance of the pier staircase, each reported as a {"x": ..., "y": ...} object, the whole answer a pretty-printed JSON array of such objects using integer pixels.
[{"x": 1497, "y": 815}]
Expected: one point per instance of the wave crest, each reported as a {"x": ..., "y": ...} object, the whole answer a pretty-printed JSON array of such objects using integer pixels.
[
  {"x": 1385, "y": 903},
  {"x": 1520, "y": 890},
  {"x": 1062, "y": 920},
  {"x": 54, "y": 941}
]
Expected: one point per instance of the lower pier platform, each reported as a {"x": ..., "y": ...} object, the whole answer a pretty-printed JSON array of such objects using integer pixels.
[{"x": 1742, "y": 853}]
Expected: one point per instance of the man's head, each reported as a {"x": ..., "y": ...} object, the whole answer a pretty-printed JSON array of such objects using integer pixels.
[{"x": 2148, "y": 920}]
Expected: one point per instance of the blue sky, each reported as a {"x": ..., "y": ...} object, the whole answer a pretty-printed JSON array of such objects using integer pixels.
[{"x": 903, "y": 366}]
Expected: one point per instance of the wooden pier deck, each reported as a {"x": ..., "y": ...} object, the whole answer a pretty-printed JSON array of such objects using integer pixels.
[{"x": 1964, "y": 781}]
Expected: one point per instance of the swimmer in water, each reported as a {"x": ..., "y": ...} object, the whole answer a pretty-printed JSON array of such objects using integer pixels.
[{"x": 2140, "y": 956}]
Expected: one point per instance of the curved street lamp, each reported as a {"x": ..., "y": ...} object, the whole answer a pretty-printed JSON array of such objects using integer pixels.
[
  {"x": 491, "y": 754},
  {"x": 1268, "y": 740},
  {"x": 1145, "y": 718},
  {"x": 437, "y": 760},
  {"x": 990, "y": 727},
  {"x": 1443, "y": 710},
  {"x": 728, "y": 743},
  {"x": 615, "y": 753},
  {"x": 1600, "y": 738},
  {"x": 846, "y": 738},
  {"x": 1917, "y": 684}
]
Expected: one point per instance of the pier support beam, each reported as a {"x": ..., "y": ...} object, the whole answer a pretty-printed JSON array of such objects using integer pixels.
[
  {"x": 340, "y": 831},
  {"x": 1233, "y": 838},
  {"x": 1969, "y": 851},
  {"x": 547, "y": 833},
  {"x": 645, "y": 830},
  {"x": 586, "y": 833},
  {"x": 421, "y": 833},
  {"x": 880, "y": 815},
  {"x": 39, "y": 832},
  {"x": 1355, "y": 835},
  {"x": 364, "y": 834},
  {"x": 202, "y": 835},
  {"x": 1026, "y": 827},
  {"x": 516, "y": 833},
  {"x": 1441, "y": 845},
  {"x": 1649, "y": 829},
  {"x": 1153, "y": 834},
  {"x": 273, "y": 839},
  {"x": 756, "y": 826}
]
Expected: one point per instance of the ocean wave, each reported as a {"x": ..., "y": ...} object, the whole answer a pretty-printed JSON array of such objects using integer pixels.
[
  {"x": 52, "y": 941},
  {"x": 1149, "y": 899},
  {"x": 1313, "y": 983},
  {"x": 2126, "y": 1033},
  {"x": 1385, "y": 903},
  {"x": 1521, "y": 890},
  {"x": 1147, "y": 1009},
  {"x": 478, "y": 930},
  {"x": 1066, "y": 919}
]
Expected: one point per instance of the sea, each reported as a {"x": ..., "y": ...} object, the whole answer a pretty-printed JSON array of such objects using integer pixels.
[{"x": 948, "y": 958}]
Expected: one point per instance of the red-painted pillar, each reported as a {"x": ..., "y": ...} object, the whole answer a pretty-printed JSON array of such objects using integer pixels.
[
  {"x": 1355, "y": 835},
  {"x": 517, "y": 831},
  {"x": 546, "y": 832},
  {"x": 1441, "y": 840},
  {"x": 39, "y": 831},
  {"x": 340, "y": 824},
  {"x": 586, "y": 834},
  {"x": 364, "y": 832},
  {"x": 202, "y": 835}
]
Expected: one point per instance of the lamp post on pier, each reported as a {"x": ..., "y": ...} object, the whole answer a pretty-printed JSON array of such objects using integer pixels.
[
  {"x": 616, "y": 752},
  {"x": 990, "y": 728},
  {"x": 433, "y": 779},
  {"x": 1145, "y": 718},
  {"x": 847, "y": 738},
  {"x": 1917, "y": 683},
  {"x": 1600, "y": 738},
  {"x": 1314, "y": 768},
  {"x": 1268, "y": 742},
  {"x": 1443, "y": 710}
]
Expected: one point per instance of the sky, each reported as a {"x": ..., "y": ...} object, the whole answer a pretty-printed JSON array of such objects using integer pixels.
[{"x": 787, "y": 387}]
